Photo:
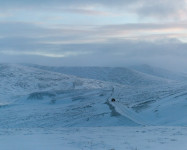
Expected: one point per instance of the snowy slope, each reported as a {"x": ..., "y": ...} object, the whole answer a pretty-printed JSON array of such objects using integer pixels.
[
  {"x": 21, "y": 80},
  {"x": 43, "y": 108},
  {"x": 153, "y": 106},
  {"x": 159, "y": 72},
  {"x": 112, "y": 74},
  {"x": 33, "y": 97}
]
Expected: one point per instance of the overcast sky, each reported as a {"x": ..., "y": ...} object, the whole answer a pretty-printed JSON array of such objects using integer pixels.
[{"x": 94, "y": 32}]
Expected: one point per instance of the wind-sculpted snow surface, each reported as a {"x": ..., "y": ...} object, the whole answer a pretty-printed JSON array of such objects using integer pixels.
[{"x": 95, "y": 138}]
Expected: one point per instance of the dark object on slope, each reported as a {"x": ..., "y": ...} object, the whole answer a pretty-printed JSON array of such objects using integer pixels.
[{"x": 113, "y": 100}]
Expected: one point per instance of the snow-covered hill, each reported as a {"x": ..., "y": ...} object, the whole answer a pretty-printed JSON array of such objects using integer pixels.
[
  {"x": 35, "y": 96},
  {"x": 21, "y": 80},
  {"x": 162, "y": 73},
  {"x": 126, "y": 76},
  {"x": 152, "y": 94},
  {"x": 52, "y": 99}
]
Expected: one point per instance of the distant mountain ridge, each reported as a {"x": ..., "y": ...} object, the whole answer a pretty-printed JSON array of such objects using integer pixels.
[
  {"x": 121, "y": 75},
  {"x": 159, "y": 72}
]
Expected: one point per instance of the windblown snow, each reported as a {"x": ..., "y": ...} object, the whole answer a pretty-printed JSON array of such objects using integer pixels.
[{"x": 66, "y": 100}]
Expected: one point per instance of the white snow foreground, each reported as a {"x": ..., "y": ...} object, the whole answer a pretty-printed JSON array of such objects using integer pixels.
[
  {"x": 48, "y": 108},
  {"x": 100, "y": 138}
]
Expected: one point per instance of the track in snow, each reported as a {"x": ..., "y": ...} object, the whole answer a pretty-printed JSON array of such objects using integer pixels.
[{"x": 125, "y": 111}]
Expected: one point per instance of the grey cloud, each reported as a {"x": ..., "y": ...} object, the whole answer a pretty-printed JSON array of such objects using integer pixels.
[
  {"x": 143, "y": 8},
  {"x": 20, "y": 29},
  {"x": 145, "y": 26},
  {"x": 64, "y": 2},
  {"x": 25, "y": 36},
  {"x": 27, "y": 41},
  {"x": 172, "y": 56},
  {"x": 162, "y": 8}
]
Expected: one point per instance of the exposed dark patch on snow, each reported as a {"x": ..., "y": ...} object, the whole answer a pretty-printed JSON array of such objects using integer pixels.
[
  {"x": 40, "y": 95},
  {"x": 143, "y": 105}
]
